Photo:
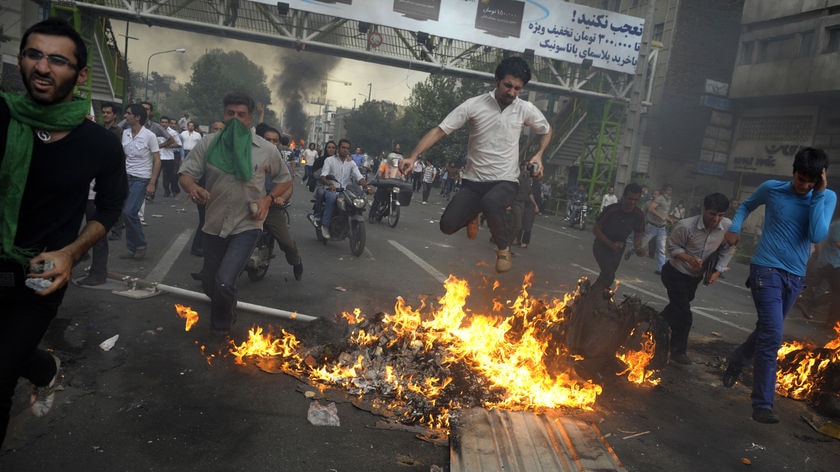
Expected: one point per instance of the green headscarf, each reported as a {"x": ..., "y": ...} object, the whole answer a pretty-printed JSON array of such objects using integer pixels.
[
  {"x": 25, "y": 115},
  {"x": 230, "y": 150}
]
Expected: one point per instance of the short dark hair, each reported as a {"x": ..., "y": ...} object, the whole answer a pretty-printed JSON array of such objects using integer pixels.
[
  {"x": 114, "y": 108},
  {"x": 284, "y": 139},
  {"x": 810, "y": 162},
  {"x": 515, "y": 66},
  {"x": 343, "y": 140},
  {"x": 151, "y": 107},
  {"x": 261, "y": 128},
  {"x": 238, "y": 98},
  {"x": 716, "y": 201},
  {"x": 632, "y": 188},
  {"x": 137, "y": 109},
  {"x": 164, "y": 117},
  {"x": 59, "y": 27}
]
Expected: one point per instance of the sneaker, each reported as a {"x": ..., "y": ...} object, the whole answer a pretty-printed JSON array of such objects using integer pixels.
[
  {"x": 325, "y": 232},
  {"x": 42, "y": 398},
  {"x": 140, "y": 253},
  {"x": 472, "y": 228},
  {"x": 503, "y": 260},
  {"x": 681, "y": 358},
  {"x": 298, "y": 270},
  {"x": 731, "y": 376},
  {"x": 113, "y": 236},
  {"x": 765, "y": 415}
]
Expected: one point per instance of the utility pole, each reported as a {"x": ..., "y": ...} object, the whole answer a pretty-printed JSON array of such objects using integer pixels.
[
  {"x": 127, "y": 72},
  {"x": 370, "y": 88}
]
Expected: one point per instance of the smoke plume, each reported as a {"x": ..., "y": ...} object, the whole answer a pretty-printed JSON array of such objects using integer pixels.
[{"x": 298, "y": 82}]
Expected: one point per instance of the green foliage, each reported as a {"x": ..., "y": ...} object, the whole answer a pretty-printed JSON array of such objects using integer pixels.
[
  {"x": 218, "y": 73},
  {"x": 372, "y": 126}
]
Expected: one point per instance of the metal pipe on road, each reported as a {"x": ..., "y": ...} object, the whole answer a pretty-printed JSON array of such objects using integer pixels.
[{"x": 244, "y": 305}]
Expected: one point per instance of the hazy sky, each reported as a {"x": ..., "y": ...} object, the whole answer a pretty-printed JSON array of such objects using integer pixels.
[{"x": 388, "y": 83}]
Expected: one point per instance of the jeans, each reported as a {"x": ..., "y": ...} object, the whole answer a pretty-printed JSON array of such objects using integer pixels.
[
  {"x": 491, "y": 198},
  {"x": 329, "y": 204},
  {"x": 99, "y": 259},
  {"x": 661, "y": 235},
  {"x": 681, "y": 290},
  {"x": 25, "y": 319},
  {"x": 224, "y": 261},
  {"x": 774, "y": 292},
  {"x": 134, "y": 237}
]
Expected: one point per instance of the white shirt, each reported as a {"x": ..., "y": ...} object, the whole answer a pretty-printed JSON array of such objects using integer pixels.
[
  {"x": 609, "y": 199},
  {"x": 138, "y": 152},
  {"x": 168, "y": 154},
  {"x": 493, "y": 149},
  {"x": 310, "y": 155},
  {"x": 190, "y": 139},
  {"x": 345, "y": 172}
]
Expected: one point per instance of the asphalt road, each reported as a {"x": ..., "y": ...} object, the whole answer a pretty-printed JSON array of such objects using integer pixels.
[{"x": 154, "y": 402}]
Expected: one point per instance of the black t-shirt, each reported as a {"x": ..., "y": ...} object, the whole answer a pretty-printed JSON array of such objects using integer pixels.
[
  {"x": 618, "y": 224},
  {"x": 58, "y": 182}
]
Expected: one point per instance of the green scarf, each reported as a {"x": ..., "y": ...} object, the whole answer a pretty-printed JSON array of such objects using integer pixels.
[
  {"x": 26, "y": 114},
  {"x": 230, "y": 150}
]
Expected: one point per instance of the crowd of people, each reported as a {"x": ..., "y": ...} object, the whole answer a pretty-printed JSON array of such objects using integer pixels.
[{"x": 240, "y": 178}]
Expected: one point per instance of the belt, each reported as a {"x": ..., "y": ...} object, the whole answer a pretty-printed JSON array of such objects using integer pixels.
[{"x": 654, "y": 224}]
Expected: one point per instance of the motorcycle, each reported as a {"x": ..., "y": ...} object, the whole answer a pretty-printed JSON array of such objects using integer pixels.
[
  {"x": 348, "y": 218},
  {"x": 399, "y": 194},
  {"x": 579, "y": 210},
  {"x": 257, "y": 265}
]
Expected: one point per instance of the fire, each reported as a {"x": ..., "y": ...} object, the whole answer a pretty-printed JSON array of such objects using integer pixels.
[
  {"x": 801, "y": 367},
  {"x": 188, "y": 314},
  {"x": 638, "y": 361},
  {"x": 418, "y": 363}
]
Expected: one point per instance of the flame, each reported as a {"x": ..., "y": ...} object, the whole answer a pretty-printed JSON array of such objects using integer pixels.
[
  {"x": 801, "y": 366},
  {"x": 636, "y": 362},
  {"x": 418, "y": 363},
  {"x": 188, "y": 314}
]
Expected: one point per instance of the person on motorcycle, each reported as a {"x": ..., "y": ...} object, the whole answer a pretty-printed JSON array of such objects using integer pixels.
[
  {"x": 345, "y": 172},
  {"x": 496, "y": 120},
  {"x": 315, "y": 184},
  {"x": 389, "y": 168}
]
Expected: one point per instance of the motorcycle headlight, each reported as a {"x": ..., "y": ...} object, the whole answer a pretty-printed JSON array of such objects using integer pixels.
[
  {"x": 359, "y": 202},
  {"x": 395, "y": 189}
]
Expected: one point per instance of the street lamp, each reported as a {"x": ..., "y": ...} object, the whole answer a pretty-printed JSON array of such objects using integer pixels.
[{"x": 148, "y": 61}]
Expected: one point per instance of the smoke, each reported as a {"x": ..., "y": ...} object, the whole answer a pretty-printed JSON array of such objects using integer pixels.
[{"x": 298, "y": 81}]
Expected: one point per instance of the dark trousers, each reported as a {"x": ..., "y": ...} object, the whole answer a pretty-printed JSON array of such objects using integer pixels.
[
  {"x": 416, "y": 181},
  {"x": 528, "y": 216},
  {"x": 427, "y": 189},
  {"x": 99, "y": 257},
  {"x": 170, "y": 176},
  {"x": 278, "y": 227},
  {"x": 23, "y": 322},
  {"x": 681, "y": 289},
  {"x": 608, "y": 261},
  {"x": 490, "y": 198},
  {"x": 224, "y": 261},
  {"x": 197, "y": 247}
]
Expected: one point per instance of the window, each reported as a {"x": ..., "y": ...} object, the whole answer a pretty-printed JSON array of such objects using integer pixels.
[
  {"x": 775, "y": 49},
  {"x": 658, "y": 32},
  {"x": 833, "y": 40},
  {"x": 806, "y": 43},
  {"x": 747, "y": 50}
]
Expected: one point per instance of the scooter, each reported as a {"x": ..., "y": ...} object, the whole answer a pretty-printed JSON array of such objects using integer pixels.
[{"x": 348, "y": 219}]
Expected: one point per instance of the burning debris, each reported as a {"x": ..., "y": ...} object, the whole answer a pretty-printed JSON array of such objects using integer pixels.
[
  {"x": 417, "y": 364},
  {"x": 810, "y": 373}
]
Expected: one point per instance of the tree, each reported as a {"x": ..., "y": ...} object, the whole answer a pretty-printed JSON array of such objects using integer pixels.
[
  {"x": 429, "y": 103},
  {"x": 218, "y": 73},
  {"x": 371, "y": 126}
]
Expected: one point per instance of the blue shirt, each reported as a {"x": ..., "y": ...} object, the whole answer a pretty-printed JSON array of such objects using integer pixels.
[
  {"x": 791, "y": 223},
  {"x": 829, "y": 252},
  {"x": 359, "y": 159}
]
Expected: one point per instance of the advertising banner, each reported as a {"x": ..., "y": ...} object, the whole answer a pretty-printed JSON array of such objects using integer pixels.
[{"x": 552, "y": 29}]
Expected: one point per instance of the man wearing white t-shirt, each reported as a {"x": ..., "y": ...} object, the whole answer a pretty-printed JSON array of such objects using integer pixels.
[
  {"x": 190, "y": 137},
  {"x": 142, "y": 164},
  {"x": 491, "y": 174}
]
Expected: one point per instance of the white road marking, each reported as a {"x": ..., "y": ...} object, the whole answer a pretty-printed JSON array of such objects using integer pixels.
[
  {"x": 168, "y": 259},
  {"x": 436, "y": 274}
]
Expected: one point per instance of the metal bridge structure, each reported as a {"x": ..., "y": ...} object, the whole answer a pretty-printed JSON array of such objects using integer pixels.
[{"x": 607, "y": 93}]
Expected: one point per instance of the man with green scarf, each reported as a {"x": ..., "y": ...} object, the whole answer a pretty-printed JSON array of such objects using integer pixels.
[
  {"x": 234, "y": 163},
  {"x": 49, "y": 153}
]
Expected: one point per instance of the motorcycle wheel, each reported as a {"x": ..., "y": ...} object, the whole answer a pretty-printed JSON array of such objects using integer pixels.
[
  {"x": 357, "y": 237},
  {"x": 582, "y": 223},
  {"x": 262, "y": 254},
  {"x": 393, "y": 214}
]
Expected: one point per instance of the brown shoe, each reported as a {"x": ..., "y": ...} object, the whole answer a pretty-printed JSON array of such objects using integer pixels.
[
  {"x": 472, "y": 229},
  {"x": 503, "y": 260}
]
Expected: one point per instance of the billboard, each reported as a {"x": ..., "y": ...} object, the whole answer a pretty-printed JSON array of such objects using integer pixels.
[{"x": 552, "y": 29}]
